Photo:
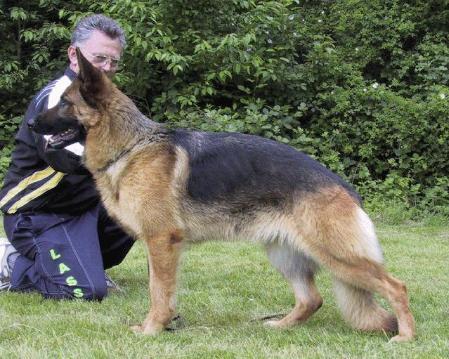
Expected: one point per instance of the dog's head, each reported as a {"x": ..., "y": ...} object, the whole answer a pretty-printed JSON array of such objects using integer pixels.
[{"x": 80, "y": 108}]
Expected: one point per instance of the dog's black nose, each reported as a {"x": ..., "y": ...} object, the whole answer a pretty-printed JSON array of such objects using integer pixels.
[{"x": 31, "y": 122}]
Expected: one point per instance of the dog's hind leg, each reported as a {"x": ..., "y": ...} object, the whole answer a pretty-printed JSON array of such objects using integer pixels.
[
  {"x": 356, "y": 280},
  {"x": 360, "y": 309},
  {"x": 163, "y": 253},
  {"x": 299, "y": 270},
  {"x": 342, "y": 238}
]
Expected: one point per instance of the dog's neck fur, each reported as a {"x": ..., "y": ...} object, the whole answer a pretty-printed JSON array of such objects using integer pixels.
[{"x": 128, "y": 126}]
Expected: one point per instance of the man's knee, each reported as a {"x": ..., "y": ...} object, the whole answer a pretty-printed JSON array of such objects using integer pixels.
[{"x": 95, "y": 292}]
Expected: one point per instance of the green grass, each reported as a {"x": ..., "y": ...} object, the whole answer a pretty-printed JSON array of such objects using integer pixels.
[{"x": 224, "y": 290}]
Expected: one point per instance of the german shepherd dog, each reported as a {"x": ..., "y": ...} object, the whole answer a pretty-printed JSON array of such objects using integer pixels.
[{"x": 168, "y": 187}]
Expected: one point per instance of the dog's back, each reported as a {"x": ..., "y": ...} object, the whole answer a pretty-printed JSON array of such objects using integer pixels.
[
  {"x": 247, "y": 187},
  {"x": 245, "y": 168}
]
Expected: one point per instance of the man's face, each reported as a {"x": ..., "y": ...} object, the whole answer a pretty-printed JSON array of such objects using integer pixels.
[{"x": 101, "y": 51}]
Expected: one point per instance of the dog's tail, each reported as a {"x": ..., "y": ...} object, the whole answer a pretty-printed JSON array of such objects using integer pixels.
[
  {"x": 358, "y": 305},
  {"x": 359, "y": 308}
]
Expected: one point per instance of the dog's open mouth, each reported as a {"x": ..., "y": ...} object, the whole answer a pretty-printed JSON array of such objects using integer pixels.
[{"x": 63, "y": 139}]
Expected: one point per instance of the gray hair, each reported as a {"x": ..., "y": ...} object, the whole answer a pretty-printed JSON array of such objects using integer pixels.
[{"x": 84, "y": 28}]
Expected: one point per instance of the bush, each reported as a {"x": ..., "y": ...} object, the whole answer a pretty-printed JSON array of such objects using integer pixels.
[{"x": 361, "y": 86}]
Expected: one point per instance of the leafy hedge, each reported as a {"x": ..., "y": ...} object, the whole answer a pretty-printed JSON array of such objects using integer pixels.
[{"x": 362, "y": 86}]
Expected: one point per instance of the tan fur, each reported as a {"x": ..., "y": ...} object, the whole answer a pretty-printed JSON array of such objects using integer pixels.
[
  {"x": 143, "y": 185},
  {"x": 360, "y": 309},
  {"x": 333, "y": 234},
  {"x": 328, "y": 227},
  {"x": 308, "y": 299}
]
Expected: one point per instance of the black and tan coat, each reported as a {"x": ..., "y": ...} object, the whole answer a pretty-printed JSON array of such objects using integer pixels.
[{"x": 169, "y": 187}]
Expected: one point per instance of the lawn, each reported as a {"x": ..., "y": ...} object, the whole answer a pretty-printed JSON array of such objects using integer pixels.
[{"x": 225, "y": 289}]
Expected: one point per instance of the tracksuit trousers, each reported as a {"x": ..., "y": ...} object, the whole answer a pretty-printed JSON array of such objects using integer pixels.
[{"x": 63, "y": 256}]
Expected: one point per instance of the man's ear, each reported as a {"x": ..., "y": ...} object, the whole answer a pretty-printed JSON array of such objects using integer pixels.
[{"x": 95, "y": 86}]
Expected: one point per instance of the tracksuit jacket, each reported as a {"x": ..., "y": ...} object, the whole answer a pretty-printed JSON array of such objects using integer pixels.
[{"x": 42, "y": 179}]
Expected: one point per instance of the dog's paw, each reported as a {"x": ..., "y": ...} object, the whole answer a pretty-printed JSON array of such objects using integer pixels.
[
  {"x": 401, "y": 339},
  {"x": 136, "y": 328},
  {"x": 148, "y": 329},
  {"x": 274, "y": 324}
]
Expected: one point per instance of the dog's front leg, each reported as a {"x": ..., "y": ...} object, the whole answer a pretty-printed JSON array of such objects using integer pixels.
[{"x": 163, "y": 253}]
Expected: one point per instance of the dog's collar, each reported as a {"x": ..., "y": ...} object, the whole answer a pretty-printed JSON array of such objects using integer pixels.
[{"x": 122, "y": 154}]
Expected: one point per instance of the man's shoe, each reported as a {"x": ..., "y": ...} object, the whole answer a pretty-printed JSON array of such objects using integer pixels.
[{"x": 6, "y": 263}]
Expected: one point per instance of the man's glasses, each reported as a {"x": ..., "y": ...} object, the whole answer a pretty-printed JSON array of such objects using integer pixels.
[{"x": 102, "y": 60}]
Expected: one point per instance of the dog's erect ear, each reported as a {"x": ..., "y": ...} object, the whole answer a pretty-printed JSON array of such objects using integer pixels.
[{"x": 95, "y": 86}]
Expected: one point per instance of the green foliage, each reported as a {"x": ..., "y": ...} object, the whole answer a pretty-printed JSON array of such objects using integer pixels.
[
  {"x": 9, "y": 128},
  {"x": 361, "y": 86},
  {"x": 34, "y": 42}
]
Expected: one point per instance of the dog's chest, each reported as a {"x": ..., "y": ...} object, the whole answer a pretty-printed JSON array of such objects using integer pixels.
[
  {"x": 114, "y": 175},
  {"x": 118, "y": 198}
]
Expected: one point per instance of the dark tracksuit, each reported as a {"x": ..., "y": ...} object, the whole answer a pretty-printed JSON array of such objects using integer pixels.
[{"x": 53, "y": 215}]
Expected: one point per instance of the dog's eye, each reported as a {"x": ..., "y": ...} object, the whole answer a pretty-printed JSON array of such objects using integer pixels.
[{"x": 63, "y": 102}]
